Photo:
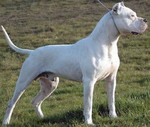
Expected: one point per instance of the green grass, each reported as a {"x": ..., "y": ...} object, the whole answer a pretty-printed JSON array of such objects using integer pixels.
[{"x": 36, "y": 23}]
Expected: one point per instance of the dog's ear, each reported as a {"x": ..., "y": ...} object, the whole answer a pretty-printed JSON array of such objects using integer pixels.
[
  {"x": 122, "y": 3},
  {"x": 117, "y": 8}
]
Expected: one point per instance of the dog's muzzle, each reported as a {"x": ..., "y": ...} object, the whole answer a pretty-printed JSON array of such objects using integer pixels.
[{"x": 143, "y": 28}]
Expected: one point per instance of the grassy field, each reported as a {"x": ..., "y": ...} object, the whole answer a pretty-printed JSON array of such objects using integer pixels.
[{"x": 34, "y": 23}]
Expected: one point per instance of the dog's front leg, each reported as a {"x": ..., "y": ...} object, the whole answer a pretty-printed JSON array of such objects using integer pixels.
[
  {"x": 88, "y": 99},
  {"x": 110, "y": 87}
]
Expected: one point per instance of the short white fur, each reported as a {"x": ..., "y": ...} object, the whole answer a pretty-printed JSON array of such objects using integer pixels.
[{"x": 89, "y": 60}]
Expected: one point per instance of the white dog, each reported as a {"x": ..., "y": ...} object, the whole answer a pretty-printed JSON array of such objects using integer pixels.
[{"x": 89, "y": 60}]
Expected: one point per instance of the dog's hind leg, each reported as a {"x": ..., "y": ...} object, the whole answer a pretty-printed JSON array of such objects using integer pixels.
[
  {"x": 48, "y": 85},
  {"x": 19, "y": 90},
  {"x": 27, "y": 74}
]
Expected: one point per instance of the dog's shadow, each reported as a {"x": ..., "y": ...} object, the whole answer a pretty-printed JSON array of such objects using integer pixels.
[
  {"x": 103, "y": 110},
  {"x": 72, "y": 116},
  {"x": 61, "y": 119},
  {"x": 66, "y": 118}
]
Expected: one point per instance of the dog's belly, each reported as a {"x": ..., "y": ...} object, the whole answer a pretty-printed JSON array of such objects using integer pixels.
[{"x": 69, "y": 71}]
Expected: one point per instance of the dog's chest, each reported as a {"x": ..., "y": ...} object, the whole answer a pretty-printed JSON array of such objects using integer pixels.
[{"x": 105, "y": 66}]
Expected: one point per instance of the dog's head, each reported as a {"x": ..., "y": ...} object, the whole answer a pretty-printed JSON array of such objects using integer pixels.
[{"x": 127, "y": 21}]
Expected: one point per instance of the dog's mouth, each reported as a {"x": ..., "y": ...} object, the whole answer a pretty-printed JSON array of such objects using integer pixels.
[{"x": 135, "y": 33}]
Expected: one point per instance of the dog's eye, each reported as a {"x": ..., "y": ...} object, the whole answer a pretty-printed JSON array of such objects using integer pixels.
[{"x": 132, "y": 16}]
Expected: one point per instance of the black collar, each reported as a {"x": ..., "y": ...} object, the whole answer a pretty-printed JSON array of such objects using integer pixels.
[{"x": 114, "y": 22}]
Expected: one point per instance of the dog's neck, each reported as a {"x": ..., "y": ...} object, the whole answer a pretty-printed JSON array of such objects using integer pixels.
[{"x": 105, "y": 31}]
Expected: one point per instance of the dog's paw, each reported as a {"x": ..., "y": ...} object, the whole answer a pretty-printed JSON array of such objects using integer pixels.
[
  {"x": 91, "y": 124},
  {"x": 113, "y": 115}
]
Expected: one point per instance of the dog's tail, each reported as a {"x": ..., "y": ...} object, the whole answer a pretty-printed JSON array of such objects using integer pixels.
[{"x": 17, "y": 49}]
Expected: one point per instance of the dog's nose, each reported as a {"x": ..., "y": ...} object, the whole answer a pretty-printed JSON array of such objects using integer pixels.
[{"x": 145, "y": 20}]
